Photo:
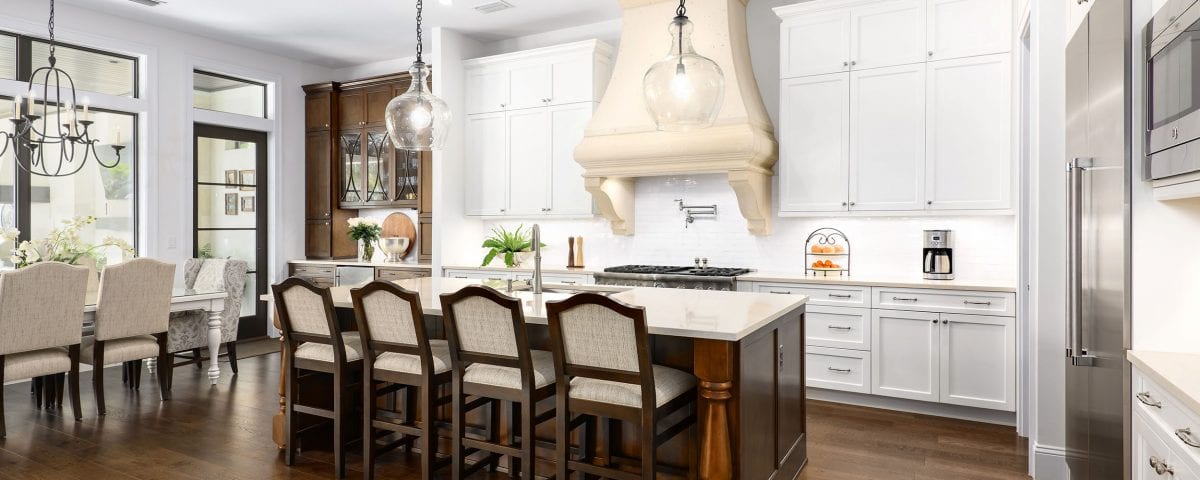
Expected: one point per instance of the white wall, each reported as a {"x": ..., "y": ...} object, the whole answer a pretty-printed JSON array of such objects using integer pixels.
[{"x": 166, "y": 165}]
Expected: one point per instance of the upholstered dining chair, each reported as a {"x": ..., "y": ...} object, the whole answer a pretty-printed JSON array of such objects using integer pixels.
[
  {"x": 316, "y": 344},
  {"x": 491, "y": 359},
  {"x": 397, "y": 352},
  {"x": 41, "y": 317},
  {"x": 603, "y": 369},
  {"x": 132, "y": 310},
  {"x": 188, "y": 330}
]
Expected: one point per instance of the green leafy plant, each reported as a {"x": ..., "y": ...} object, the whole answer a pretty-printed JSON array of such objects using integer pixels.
[
  {"x": 507, "y": 243},
  {"x": 63, "y": 244},
  {"x": 206, "y": 251}
]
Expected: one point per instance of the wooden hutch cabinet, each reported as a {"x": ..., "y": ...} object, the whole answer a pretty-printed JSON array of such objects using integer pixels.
[{"x": 326, "y": 233}]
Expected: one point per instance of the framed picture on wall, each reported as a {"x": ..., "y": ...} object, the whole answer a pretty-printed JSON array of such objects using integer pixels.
[
  {"x": 247, "y": 178},
  {"x": 231, "y": 204},
  {"x": 231, "y": 179},
  {"x": 248, "y": 204}
]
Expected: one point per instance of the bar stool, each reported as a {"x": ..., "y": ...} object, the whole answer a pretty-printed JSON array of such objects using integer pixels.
[
  {"x": 491, "y": 359},
  {"x": 315, "y": 343},
  {"x": 397, "y": 350},
  {"x": 603, "y": 368}
]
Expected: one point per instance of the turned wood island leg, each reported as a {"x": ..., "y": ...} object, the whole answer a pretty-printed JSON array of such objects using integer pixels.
[
  {"x": 714, "y": 370},
  {"x": 277, "y": 423}
]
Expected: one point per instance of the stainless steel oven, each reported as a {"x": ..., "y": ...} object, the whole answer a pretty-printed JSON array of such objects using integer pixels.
[{"x": 1173, "y": 90}]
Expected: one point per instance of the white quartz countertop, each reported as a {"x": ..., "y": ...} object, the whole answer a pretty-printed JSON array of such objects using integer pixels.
[
  {"x": 1179, "y": 373},
  {"x": 545, "y": 269},
  {"x": 350, "y": 262},
  {"x": 729, "y": 316},
  {"x": 882, "y": 281}
]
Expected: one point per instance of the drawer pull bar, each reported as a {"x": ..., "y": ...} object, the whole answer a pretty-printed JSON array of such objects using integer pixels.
[
  {"x": 968, "y": 302},
  {"x": 835, "y": 327},
  {"x": 903, "y": 299},
  {"x": 1160, "y": 467},
  {"x": 1146, "y": 399},
  {"x": 839, "y": 295},
  {"x": 781, "y": 292},
  {"x": 1185, "y": 434},
  {"x": 839, "y": 370}
]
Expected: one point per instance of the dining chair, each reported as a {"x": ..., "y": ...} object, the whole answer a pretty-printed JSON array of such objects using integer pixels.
[
  {"x": 603, "y": 369},
  {"x": 132, "y": 309},
  {"x": 187, "y": 331},
  {"x": 398, "y": 351},
  {"x": 41, "y": 317},
  {"x": 316, "y": 344},
  {"x": 491, "y": 360}
]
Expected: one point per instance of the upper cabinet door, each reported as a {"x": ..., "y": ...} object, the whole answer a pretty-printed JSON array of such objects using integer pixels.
[
  {"x": 978, "y": 367},
  {"x": 886, "y": 34},
  {"x": 571, "y": 81},
  {"x": 486, "y": 166},
  {"x": 815, "y": 44},
  {"x": 887, "y": 138},
  {"x": 964, "y": 28},
  {"x": 528, "y": 85},
  {"x": 377, "y": 102},
  {"x": 969, "y": 140},
  {"x": 905, "y": 354},
  {"x": 487, "y": 90},
  {"x": 814, "y": 155},
  {"x": 567, "y": 124},
  {"x": 317, "y": 107},
  {"x": 529, "y": 161},
  {"x": 352, "y": 109}
]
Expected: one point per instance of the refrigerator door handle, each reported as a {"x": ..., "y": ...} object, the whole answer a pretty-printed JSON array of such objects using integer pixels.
[{"x": 1075, "y": 349}]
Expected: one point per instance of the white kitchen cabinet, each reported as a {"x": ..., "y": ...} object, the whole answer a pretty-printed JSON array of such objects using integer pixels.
[
  {"x": 489, "y": 90},
  {"x": 964, "y": 28},
  {"x": 815, "y": 44},
  {"x": 567, "y": 194},
  {"x": 529, "y": 161},
  {"x": 837, "y": 369},
  {"x": 486, "y": 168},
  {"x": 838, "y": 327},
  {"x": 905, "y": 351},
  {"x": 887, "y": 138},
  {"x": 573, "y": 80},
  {"x": 969, "y": 134},
  {"x": 887, "y": 33},
  {"x": 1151, "y": 454},
  {"x": 528, "y": 84},
  {"x": 978, "y": 367},
  {"x": 1076, "y": 11},
  {"x": 814, "y": 159}
]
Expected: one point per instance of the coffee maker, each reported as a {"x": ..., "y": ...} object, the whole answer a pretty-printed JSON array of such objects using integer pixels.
[{"x": 938, "y": 255}]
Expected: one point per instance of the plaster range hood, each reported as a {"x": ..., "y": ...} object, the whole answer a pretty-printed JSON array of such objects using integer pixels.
[{"x": 622, "y": 142}]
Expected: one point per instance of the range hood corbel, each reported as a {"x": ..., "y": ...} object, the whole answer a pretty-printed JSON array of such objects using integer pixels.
[{"x": 623, "y": 143}]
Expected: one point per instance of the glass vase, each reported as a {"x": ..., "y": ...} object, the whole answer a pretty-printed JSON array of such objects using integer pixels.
[{"x": 366, "y": 251}]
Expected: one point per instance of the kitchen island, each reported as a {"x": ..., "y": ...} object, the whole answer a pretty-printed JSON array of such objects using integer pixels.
[{"x": 746, "y": 350}]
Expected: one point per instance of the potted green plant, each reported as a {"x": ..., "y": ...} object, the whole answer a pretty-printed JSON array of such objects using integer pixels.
[
  {"x": 366, "y": 232},
  {"x": 514, "y": 246}
]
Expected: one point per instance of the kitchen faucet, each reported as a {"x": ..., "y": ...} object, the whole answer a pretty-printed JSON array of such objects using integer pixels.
[{"x": 537, "y": 259}]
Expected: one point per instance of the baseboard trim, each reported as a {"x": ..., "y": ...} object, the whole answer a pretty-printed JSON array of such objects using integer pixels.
[
  {"x": 915, "y": 406},
  {"x": 1050, "y": 462}
]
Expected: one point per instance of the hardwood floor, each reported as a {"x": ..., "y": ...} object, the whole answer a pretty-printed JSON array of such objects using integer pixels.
[{"x": 224, "y": 433}]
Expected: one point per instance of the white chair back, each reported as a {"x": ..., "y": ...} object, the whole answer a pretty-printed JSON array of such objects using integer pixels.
[
  {"x": 41, "y": 306},
  {"x": 134, "y": 299}
]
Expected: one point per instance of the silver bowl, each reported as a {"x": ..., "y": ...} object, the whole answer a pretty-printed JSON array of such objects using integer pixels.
[{"x": 394, "y": 248}]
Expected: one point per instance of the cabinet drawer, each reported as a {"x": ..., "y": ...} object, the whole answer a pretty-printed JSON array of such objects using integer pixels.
[
  {"x": 838, "y": 369},
  {"x": 566, "y": 279},
  {"x": 980, "y": 303},
  {"x": 398, "y": 274},
  {"x": 838, "y": 327},
  {"x": 301, "y": 269},
  {"x": 1182, "y": 426},
  {"x": 821, "y": 294},
  {"x": 479, "y": 275}
]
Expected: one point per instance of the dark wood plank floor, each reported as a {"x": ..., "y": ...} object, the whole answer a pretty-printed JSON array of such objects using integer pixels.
[{"x": 225, "y": 433}]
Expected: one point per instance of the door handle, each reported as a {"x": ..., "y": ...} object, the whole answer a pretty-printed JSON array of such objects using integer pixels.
[
  {"x": 1075, "y": 348},
  {"x": 835, "y": 327},
  {"x": 1147, "y": 400},
  {"x": 839, "y": 370},
  {"x": 836, "y": 295},
  {"x": 903, "y": 299}
]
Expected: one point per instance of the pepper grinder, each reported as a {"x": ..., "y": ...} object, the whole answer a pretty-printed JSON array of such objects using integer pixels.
[
  {"x": 570, "y": 252},
  {"x": 579, "y": 252}
]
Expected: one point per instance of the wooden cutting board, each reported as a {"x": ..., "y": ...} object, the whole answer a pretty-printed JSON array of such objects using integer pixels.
[{"x": 399, "y": 225}]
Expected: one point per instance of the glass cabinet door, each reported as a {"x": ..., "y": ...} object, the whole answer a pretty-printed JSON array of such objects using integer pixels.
[
  {"x": 408, "y": 163},
  {"x": 350, "y": 152},
  {"x": 379, "y": 150}
]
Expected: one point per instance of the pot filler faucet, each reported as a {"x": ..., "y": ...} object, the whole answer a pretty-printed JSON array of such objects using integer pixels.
[{"x": 537, "y": 259}]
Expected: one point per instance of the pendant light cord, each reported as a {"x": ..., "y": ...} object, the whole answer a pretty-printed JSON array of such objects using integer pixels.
[
  {"x": 681, "y": 13},
  {"x": 420, "y": 46}
]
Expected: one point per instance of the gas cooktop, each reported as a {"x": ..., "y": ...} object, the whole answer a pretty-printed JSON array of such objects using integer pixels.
[{"x": 669, "y": 270}]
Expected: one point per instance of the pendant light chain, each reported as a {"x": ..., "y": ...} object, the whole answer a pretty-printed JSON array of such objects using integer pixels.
[
  {"x": 420, "y": 46},
  {"x": 681, "y": 12},
  {"x": 50, "y": 26}
]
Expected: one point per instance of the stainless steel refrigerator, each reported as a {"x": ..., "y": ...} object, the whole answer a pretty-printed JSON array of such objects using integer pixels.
[{"x": 1099, "y": 153}]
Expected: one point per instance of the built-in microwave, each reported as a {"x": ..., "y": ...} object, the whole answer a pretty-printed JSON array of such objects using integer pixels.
[{"x": 1173, "y": 90}]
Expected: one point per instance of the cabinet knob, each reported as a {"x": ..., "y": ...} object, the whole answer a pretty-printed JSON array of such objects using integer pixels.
[
  {"x": 845, "y": 64},
  {"x": 852, "y": 204},
  {"x": 934, "y": 321},
  {"x": 929, "y": 202},
  {"x": 326, "y": 125},
  {"x": 502, "y": 105},
  {"x": 853, "y": 63},
  {"x": 843, "y": 204},
  {"x": 931, "y": 53}
]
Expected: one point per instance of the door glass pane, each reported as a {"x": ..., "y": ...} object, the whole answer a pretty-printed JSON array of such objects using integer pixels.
[
  {"x": 226, "y": 162},
  {"x": 378, "y": 150},
  {"x": 351, "y": 154},
  {"x": 211, "y": 91},
  {"x": 92, "y": 71},
  {"x": 407, "y": 164},
  {"x": 104, "y": 193},
  {"x": 8, "y": 57}
]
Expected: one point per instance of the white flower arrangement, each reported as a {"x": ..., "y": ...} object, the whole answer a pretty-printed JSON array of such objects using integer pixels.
[{"x": 61, "y": 245}]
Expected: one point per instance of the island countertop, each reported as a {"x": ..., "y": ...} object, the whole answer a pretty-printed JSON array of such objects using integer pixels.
[{"x": 728, "y": 316}]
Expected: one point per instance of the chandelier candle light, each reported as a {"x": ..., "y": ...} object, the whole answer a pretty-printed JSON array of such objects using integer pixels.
[
  {"x": 418, "y": 120},
  {"x": 59, "y": 123},
  {"x": 685, "y": 90}
]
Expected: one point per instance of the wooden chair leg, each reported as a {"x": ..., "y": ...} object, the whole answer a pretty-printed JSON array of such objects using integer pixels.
[
  {"x": 562, "y": 437},
  {"x": 339, "y": 426},
  {"x": 457, "y": 464},
  {"x": 231, "y": 349},
  {"x": 587, "y": 443},
  {"x": 429, "y": 436},
  {"x": 495, "y": 410},
  {"x": 98, "y": 376},
  {"x": 60, "y": 382},
  {"x": 3, "y": 430},
  {"x": 199, "y": 360},
  {"x": 38, "y": 391},
  {"x": 649, "y": 462},
  {"x": 164, "y": 368},
  {"x": 135, "y": 369},
  {"x": 514, "y": 422},
  {"x": 411, "y": 407},
  {"x": 368, "y": 432},
  {"x": 73, "y": 380},
  {"x": 125, "y": 373},
  {"x": 289, "y": 418},
  {"x": 528, "y": 441}
]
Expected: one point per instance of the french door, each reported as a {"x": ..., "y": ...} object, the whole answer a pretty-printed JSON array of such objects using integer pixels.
[{"x": 230, "y": 210}]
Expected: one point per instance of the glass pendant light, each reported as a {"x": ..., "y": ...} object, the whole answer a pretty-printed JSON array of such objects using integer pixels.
[
  {"x": 418, "y": 120},
  {"x": 685, "y": 90}
]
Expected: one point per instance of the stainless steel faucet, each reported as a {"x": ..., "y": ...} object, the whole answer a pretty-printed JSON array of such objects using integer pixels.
[{"x": 537, "y": 259}]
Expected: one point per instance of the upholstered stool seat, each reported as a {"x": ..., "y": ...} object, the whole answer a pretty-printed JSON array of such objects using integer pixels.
[
  {"x": 508, "y": 377},
  {"x": 320, "y": 352},
  {"x": 669, "y": 384},
  {"x": 411, "y": 364},
  {"x": 36, "y": 363},
  {"x": 121, "y": 349}
]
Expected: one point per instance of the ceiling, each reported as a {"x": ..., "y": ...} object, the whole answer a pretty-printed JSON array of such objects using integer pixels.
[{"x": 344, "y": 33}]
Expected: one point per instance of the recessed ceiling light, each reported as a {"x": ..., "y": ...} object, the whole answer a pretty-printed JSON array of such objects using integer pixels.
[
  {"x": 149, "y": 3},
  {"x": 493, "y": 7}
]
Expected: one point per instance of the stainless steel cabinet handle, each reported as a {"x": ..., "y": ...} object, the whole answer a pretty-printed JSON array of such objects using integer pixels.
[
  {"x": 1075, "y": 349},
  {"x": 781, "y": 357},
  {"x": 494, "y": 279},
  {"x": 968, "y": 302},
  {"x": 835, "y": 327},
  {"x": 903, "y": 299},
  {"x": 1147, "y": 400},
  {"x": 1185, "y": 435},
  {"x": 568, "y": 282},
  {"x": 839, "y": 295},
  {"x": 781, "y": 292},
  {"x": 839, "y": 370},
  {"x": 1160, "y": 467},
  {"x": 460, "y": 276}
]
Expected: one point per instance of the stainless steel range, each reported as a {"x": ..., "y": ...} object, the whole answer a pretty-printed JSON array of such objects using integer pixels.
[{"x": 695, "y": 277}]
